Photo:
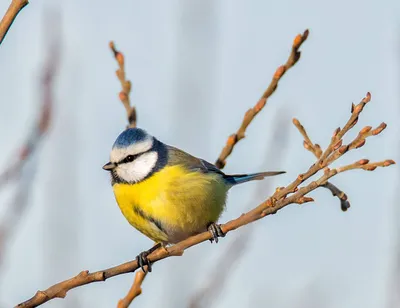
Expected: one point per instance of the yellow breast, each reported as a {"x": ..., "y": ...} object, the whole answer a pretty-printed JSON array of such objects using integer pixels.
[{"x": 173, "y": 203}]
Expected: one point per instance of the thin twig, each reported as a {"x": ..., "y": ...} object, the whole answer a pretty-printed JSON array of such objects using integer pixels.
[
  {"x": 15, "y": 7},
  {"x": 252, "y": 112},
  {"x": 317, "y": 151},
  {"x": 126, "y": 87},
  {"x": 293, "y": 193},
  {"x": 135, "y": 290}
]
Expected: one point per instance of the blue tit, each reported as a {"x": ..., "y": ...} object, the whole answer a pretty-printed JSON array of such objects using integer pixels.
[{"x": 166, "y": 193}]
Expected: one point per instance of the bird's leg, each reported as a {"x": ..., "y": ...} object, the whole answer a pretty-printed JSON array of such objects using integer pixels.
[
  {"x": 216, "y": 232},
  {"x": 142, "y": 257}
]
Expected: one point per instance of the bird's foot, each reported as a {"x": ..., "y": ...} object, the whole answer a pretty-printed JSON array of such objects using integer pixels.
[
  {"x": 142, "y": 258},
  {"x": 216, "y": 232}
]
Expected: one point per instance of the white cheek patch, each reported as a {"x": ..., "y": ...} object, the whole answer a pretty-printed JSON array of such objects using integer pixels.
[
  {"x": 138, "y": 169},
  {"x": 117, "y": 154}
]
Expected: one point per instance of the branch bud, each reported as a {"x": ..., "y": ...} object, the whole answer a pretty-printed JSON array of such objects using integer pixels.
[
  {"x": 379, "y": 129},
  {"x": 336, "y": 131},
  {"x": 388, "y": 162},
  {"x": 122, "y": 96},
  {"x": 362, "y": 162},
  {"x": 297, "y": 41},
  {"x": 343, "y": 149},
  {"x": 365, "y": 130},
  {"x": 367, "y": 98},
  {"x": 337, "y": 145},
  {"x": 304, "y": 199},
  {"x": 360, "y": 143},
  {"x": 231, "y": 140}
]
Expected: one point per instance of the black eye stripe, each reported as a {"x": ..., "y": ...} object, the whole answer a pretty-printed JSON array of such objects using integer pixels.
[{"x": 129, "y": 158}]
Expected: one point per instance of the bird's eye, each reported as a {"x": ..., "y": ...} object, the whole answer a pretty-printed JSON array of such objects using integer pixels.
[{"x": 130, "y": 158}]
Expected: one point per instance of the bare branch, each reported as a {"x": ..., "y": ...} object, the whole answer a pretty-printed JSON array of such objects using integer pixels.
[
  {"x": 291, "y": 194},
  {"x": 135, "y": 290},
  {"x": 251, "y": 113},
  {"x": 126, "y": 87},
  {"x": 317, "y": 151},
  {"x": 15, "y": 7}
]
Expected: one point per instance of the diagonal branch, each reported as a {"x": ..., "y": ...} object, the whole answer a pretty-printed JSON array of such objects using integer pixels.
[
  {"x": 15, "y": 7},
  {"x": 317, "y": 151},
  {"x": 252, "y": 112},
  {"x": 293, "y": 193}
]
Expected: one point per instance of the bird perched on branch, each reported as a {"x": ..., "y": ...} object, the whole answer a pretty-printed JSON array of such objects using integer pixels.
[{"x": 166, "y": 193}]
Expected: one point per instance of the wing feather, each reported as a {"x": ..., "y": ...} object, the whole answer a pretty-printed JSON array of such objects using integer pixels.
[{"x": 179, "y": 157}]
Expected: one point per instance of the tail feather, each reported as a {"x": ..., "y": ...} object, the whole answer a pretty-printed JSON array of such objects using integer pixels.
[{"x": 235, "y": 179}]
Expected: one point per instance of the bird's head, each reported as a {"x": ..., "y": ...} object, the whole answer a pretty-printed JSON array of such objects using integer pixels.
[{"x": 135, "y": 156}]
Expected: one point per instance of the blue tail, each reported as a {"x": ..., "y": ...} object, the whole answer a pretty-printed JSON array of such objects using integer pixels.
[{"x": 242, "y": 178}]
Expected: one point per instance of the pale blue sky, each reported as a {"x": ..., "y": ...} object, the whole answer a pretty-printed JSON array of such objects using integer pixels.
[{"x": 196, "y": 67}]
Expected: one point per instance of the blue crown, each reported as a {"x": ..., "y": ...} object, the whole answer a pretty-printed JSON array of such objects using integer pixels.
[{"x": 130, "y": 136}]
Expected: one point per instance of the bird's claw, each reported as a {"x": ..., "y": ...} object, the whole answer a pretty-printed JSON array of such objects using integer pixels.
[
  {"x": 216, "y": 232},
  {"x": 142, "y": 258},
  {"x": 142, "y": 261}
]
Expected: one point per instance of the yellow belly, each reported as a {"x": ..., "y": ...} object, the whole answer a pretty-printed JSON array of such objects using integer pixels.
[{"x": 172, "y": 204}]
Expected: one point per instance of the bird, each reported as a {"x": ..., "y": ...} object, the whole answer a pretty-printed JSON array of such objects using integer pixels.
[{"x": 166, "y": 193}]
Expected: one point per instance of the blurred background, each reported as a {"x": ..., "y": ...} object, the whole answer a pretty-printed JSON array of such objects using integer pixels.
[{"x": 196, "y": 67}]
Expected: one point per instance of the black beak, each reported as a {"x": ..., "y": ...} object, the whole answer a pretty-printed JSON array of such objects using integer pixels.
[{"x": 109, "y": 166}]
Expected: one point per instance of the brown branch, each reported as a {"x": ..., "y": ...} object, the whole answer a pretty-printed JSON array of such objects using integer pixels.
[
  {"x": 251, "y": 113},
  {"x": 135, "y": 290},
  {"x": 291, "y": 194},
  {"x": 15, "y": 7},
  {"x": 317, "y": 151},
  {"x": 126, "y": 87}
]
